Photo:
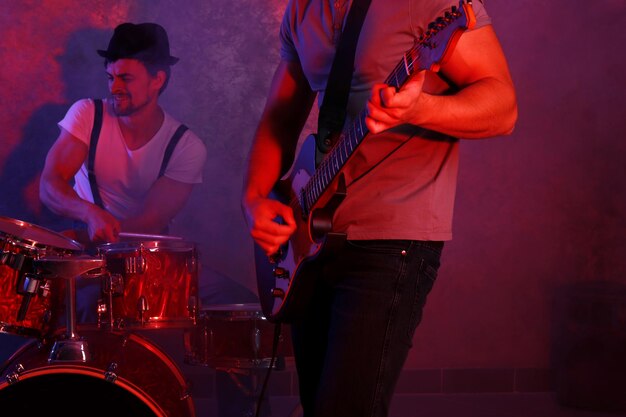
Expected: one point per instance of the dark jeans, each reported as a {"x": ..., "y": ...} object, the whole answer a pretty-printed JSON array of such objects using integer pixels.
[{"x": 353, "y": 343}]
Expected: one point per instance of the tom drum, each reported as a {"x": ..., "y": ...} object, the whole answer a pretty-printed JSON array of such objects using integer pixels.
[
  {"x": 151, "y": 283},
  {"x": 234, "y": 336}
]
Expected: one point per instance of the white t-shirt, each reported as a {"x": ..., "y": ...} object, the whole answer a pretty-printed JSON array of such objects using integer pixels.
[{"x": 124, "y": 176}]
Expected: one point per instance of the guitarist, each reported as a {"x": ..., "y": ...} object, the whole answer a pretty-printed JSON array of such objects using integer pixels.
[{"x": 355, "y": 335}]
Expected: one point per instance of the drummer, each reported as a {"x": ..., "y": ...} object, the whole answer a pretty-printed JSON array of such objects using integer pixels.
[{"x": 139, "y": 171}]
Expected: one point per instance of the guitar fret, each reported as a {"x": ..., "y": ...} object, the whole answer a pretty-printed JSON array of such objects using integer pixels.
[
  {"x": 304, "y": 204},
  {"x": 406, "y": 64}
]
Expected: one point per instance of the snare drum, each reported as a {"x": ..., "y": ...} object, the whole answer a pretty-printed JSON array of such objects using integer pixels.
[
  {"x": 29, "y": 304},
  {"x": 233, "y": 336},
  {"x": 123, "y": 375},
  {"x": 151, "y": 284}
]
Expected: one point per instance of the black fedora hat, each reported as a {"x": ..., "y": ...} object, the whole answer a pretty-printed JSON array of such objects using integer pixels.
[{"x": 146, "y": 42}]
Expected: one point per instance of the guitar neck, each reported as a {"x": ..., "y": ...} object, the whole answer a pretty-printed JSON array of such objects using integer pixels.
[{"x": 428, "y": 52}]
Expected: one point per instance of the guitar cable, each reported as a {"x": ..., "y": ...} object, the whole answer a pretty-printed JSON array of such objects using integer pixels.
[{"x": 277, "y": 329}]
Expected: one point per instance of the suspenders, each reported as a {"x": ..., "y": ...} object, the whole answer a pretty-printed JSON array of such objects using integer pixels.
[{"x": 93, "y": 143}]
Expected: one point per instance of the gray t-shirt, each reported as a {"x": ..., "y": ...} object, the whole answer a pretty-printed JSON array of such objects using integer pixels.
[{"x": 409, "y": 193}]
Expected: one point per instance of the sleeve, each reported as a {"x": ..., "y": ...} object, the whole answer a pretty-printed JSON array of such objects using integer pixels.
[
  {"x": 482, "y": 18},
  {"x": 78, "y": 120},
  {"x": 188, "y": 159},
  {"x": 287, "y": 48}
]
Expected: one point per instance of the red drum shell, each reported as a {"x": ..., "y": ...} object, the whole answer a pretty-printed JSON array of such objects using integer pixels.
[{"x": 158, "y": 286}]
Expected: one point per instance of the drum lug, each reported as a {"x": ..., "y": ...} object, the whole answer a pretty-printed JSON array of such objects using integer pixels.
[
  {"x": 13, "y": 260},
  {"x": 256, "y": 341},
  {"x": 135, "y": 265},
  {"x": 192, "y": 307},
  {"x": 44, "y": 289},
  {"x": 14, "y": 376},
  {"x": 110, "y": 375},
  {"x": 119, "y": 323},
  {"x": 191, "y": 265},
  {"x": 142, "y": 307},
  {"x": 116, "y": 285},
  {"x": 101, "y": 311},
  {"x": 186, "y": 392}
]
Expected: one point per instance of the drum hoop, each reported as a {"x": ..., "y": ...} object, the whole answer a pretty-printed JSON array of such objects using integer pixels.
[
  {"x": 149, "y": 245},
  {"x": 232, "y": 312},
  {"x": 230, "y": 363},
  {"x": 96, "y": 373},
  {"x": 23, "y": 331}
]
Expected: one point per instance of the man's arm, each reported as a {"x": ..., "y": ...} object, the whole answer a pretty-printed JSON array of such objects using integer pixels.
[
  {"x": 64, "y": 159},
  {"x": 286, "y": 110},
  {"x": 484, "y": 106},
  {"x": 165, "y": 199}
]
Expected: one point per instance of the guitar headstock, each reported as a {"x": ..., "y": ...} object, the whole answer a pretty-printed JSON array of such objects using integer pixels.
[{"x": 434, "y": 47}]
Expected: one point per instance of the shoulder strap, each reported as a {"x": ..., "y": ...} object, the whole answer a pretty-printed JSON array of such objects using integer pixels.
[
  {"x": 170, "y": 147},
  {"x": 93, "y": 143},
  {"x": 332, "y": 113}
]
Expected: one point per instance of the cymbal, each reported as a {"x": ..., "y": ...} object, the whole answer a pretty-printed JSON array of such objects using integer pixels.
[{"x": 37, "y": 236}]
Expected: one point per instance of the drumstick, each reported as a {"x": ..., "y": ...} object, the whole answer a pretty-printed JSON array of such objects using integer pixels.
[{"x": 144, "y": 236}]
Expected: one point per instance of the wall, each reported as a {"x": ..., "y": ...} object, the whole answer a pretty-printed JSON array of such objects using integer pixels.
[{"x": 535, "y": 213}]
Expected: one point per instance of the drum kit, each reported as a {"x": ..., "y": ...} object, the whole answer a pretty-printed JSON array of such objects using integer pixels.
[{"x": 145, "y": 282}]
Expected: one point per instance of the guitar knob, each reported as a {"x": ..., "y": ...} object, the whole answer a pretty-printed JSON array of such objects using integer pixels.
[
  {"x": 278, "y": 293},
  {"x": 280, "y": 272}
]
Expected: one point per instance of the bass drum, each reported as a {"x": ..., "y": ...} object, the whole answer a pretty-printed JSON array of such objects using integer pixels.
[{"x": 124, "y": 375}]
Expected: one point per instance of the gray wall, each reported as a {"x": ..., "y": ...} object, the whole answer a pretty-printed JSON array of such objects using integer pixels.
[{"x": 536, "y": 212}]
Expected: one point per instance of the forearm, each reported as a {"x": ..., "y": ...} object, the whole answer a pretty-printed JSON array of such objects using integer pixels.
[
  {"x": 265, "y": 165},
  {"x": 483, "y": 109},
  {"x": 165, "y": 200},
  {"x": 61, "y": 199}
]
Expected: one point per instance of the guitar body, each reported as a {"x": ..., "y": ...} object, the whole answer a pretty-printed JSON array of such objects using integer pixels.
[
  {"x": 283, "y": 297},
  {"x": 286, "y": 281}
]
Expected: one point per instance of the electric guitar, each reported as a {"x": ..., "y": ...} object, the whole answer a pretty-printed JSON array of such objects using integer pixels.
[{"x": 286, "y": 280}]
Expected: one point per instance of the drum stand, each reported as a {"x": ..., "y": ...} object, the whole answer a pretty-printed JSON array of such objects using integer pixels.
[
  {"x": 71, "y": 348},
  {"x": 251, "y": 390}
]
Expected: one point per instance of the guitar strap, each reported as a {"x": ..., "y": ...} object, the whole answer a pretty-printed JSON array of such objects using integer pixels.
[
  {"x": 332, "y": 114},
  {"x": 93, "y": 143}
]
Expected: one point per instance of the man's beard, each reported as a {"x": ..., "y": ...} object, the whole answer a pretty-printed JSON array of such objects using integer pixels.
[{"x": 125, "y": 108}]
